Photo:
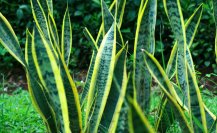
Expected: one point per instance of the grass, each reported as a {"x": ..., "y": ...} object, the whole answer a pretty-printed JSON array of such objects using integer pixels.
[{"x": 17, "y": 115}]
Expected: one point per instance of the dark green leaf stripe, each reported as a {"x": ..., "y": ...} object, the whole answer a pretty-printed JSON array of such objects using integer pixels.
[
  {"x": 72, "y": 98},
  {"x": 171, "y": 65},
  {"x": 50, "y": 77},
  {"x": 88, "y": 79},
  {"x": 38, "y": 94},
  {"x": 160, "y": 76},
  {"x": 191, "y": 29},
  {"x": 211, "y": 120},
  {"x": 192, "y": 24},
  {"x": 53, "y": 31},
  {"x": 102, "y": 78},
  {"x": 138, "y": 123},
  {"x": 66, "y": 40},
  {"x": 9, "y": 40},
  {"x": 122, "y": 125},
  {"x": 44, "y": 6},
  {"x": 107, "y": 18},
  {"x": 90, "y": 70},
  {"x": 40, "y": 18},
  {"x": 50, "y": 6},
  {"x": 120, "y": 11},
  {"x": 116, "y": 95},
  {"x": 177, "y": 23},
  {"x": 196, "y": 103},
  {"x": 144, "y": 40}
]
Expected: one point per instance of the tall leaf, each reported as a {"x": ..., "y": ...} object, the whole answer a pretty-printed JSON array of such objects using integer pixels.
[
  {"x": 53, "y": 31},
  {"x": 9, "y": 40},
  {"x": 174, "y": 13},
  {"x": 191, "y": 27},
  {"x": 160, "y": 76},
  {"x": 138, "y": 123},
  {"x": 40, "y": 18},
  {"x": 39, "y": 95},
  {"x": 116, "y": 95},
  {"x": 49, "y": 74},
  {"x": 66, "y": 40},
  {"x": 101, "y": 78},
  {"x": 196, "y": 104},
  {"x": 144, "y": 39}
]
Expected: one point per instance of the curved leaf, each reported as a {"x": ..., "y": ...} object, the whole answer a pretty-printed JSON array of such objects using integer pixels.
[
  {"x": 38, "y": 94},
  {"x": 160, "y": 76},
  {"x": 9, "y": 40},
  {"x": 138, "y": 123},
  {"x": 49, "y": 74}
]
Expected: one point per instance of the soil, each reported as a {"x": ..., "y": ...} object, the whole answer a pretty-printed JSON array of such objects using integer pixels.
[{"x": 16, "y": 78}]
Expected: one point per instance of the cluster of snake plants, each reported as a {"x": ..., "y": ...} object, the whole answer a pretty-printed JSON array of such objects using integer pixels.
[{"x": 113, "y": 98}]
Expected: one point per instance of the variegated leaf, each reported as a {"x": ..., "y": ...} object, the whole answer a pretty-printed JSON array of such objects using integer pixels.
[
  {"x": 138, "y": 122},
  {"x": 160, "y": 76},
  {"x": 9, "y": 40},
  {"x": 101, "y": 78},
  {"x": 49, "y": 74},
  {"x": 66, "y": 40},
  {"x": 40, "y": 18},
  {"x": 116, "y": 95},
  {"x": 144, "y": 39},
  {"x": 53, "y": 31},
  {"x": 39, "y": 95}
]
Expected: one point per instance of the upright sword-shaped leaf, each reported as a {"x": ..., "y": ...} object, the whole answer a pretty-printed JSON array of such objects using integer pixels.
[{"x": 144, "y": 39}]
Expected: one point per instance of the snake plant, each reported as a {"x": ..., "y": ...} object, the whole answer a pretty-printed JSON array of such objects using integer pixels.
[{"x": 113, "y": 99}]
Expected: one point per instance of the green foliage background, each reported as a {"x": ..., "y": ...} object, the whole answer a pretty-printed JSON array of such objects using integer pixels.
[{"x": 87, "y": 14}]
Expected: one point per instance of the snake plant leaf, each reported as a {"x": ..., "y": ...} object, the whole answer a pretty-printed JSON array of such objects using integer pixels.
[
  {"x": 196, "y": 104},
  {"x": 116, "y": 95},
  {"x": 110, "y": 18},
  {"x": 50, "y": 6},
  {"x": 9, "y": 40},
  {"x": 72, "y": 97},
  {"x": 215, "y": 18},
  {"x": 120, "y": 11},
  {"x": 122, "y": 125},
  {"x": 49, "y": 74},
  {"x": 66, "y": 40},
  {"x": 192, "y": 24},
  {"x": 138, "y": 123},
  {"x": 174, "y": 14},
  {"x": 44, "y": 6},
  {"x": 90, "y": 39},
  {"x": 91, "y": 66},
  {"x": 38, "y": 94},
  {"x": 107, "y": 18},
  {"x": 160, "y": 76},
  {"x": 101, "y": 78},
  {"x": 53, "y": 31},
  {"x": 191, "y": 27},
  {"x": 210, "y": 120},
  {"x": 40, "y": 18},
  {"x": 144, "y": 39}
]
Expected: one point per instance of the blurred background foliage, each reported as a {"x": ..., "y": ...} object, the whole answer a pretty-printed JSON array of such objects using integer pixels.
[{"x": 86, "y": 13}]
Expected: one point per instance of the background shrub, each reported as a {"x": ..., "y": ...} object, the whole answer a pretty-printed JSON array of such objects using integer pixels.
[{"x": 87, "y": 14}]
